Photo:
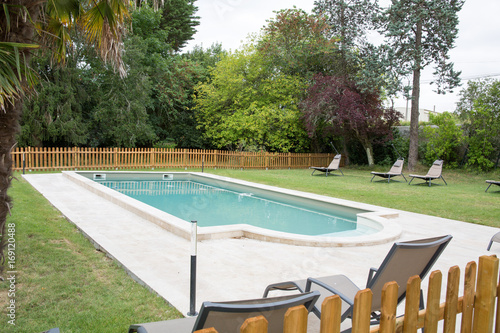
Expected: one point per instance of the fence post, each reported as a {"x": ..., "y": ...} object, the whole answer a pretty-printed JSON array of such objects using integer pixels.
[
  {"x": 433, "y": 300},
  {"x": 389, "y": 306},
  {"x": 450, "y": 310},
  {"x": 468, "y": 298},
  {"x": 331, "y": 315},
  {"x": 485, "y": 294},
  {"x": 296, "y": 320},
  {"x": 362, "y": 311},
  {"x": 257, "y": 324}
]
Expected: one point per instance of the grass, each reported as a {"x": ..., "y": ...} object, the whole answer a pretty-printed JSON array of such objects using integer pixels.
[{"x": 62, "y": 281}]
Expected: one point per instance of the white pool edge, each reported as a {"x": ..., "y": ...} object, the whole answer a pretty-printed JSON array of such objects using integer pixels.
[{"x": 378, "y": 216}]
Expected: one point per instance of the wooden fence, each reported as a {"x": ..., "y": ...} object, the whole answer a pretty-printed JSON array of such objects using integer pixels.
[
  {"x": 33, "y": 158},
  {"x": 476, "y": 306}
]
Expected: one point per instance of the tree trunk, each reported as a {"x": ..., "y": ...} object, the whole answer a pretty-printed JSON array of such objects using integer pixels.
[
  {"x": 415, "y": 96},
  {"x": 369, "y": 152},
  {"x": 22, "y": 31}
]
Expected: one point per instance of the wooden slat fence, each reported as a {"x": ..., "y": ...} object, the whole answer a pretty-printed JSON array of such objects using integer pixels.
[
  {"x": 51, "y": 159},
  {"x": 479, "y": 306}
]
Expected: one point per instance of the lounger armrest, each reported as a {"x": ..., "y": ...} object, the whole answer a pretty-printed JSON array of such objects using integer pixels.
[
  {"x": 345, "y": 298},
  {"x": 373, "y": 270},
  {"x": 284, "y": 286}
]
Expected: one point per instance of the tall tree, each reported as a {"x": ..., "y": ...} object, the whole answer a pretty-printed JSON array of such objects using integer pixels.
[
  {"x": 349, "y": 21},
  {"x": 421, "y": 33},
  {"x": 102, "y": 20},
  {"x": 179, "y": 20},
  {"x": 335, "y": 105},
  {"x": 296, "y": 43}
]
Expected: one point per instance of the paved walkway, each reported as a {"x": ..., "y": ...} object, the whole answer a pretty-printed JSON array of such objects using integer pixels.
[{"x": 232, "y": 269}]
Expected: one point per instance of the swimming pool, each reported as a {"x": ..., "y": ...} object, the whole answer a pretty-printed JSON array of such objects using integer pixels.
[
  {"x": 223, "y": 208},
  {"x": 212, "y": 205}
]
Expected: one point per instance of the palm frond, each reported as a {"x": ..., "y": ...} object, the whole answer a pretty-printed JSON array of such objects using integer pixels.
[
  {"x": 104, "y": 25},
  {"x": 16, "y": 77}
]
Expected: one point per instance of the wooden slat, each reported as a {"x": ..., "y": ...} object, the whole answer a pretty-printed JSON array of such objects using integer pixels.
[
  {"x": 468, "y": 298},
  {"x": 296, "y": 320},
  {"x": 362, "y": 311},
  {"x": 451, "y": 307},
  {"x": 255, "y": 325},
  {"x": 389, "y": 306},
  {"x": 410, "y": 323},
  {"x": 331, "y": 311},
  {"x": 433, "y": 300},
  {"x": 485, "y": 294},
  {"x": 207, "y": 330}
]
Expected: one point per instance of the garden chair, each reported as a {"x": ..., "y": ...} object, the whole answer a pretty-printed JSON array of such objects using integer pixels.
[
  {"x": 495, "y": 238},
  {"x": 334, "y": 165},
  {"x": 435, "y": 172},
  {"x": 404, "y": 260},
  {"x": 396, "y": 170},
  {"x": 227, "y": 317},
  {"x": 492, "y": 182}
]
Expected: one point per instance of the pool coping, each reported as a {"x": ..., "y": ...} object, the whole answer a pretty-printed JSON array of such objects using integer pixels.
[{"x": 377, "y": 215}]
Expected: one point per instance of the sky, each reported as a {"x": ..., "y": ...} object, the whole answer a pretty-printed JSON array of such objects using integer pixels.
[{"x": 476, "y": 52}]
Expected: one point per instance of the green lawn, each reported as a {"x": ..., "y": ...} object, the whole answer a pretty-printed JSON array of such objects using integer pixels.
[{"x": 62, "y": 281}]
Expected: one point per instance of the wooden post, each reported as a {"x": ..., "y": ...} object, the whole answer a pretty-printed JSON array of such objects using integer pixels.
[
  {"x": 468, "y": 298},
  {"x": 254, "y": 325},
  {"x": 433, "y": 300},
  {"x": 450, "y": 309},
  {"x": 331, "y": 315},
  {"x": 485, "y": 294},
  {"x": 296, "y": 320},
  {"x": 362, "y": 311},
  {"x": 412, "y": 305},
  {"x": 389, "y": 306}
]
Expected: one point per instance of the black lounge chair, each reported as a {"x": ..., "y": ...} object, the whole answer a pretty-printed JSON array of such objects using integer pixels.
[
  {"x": 495, "y": 238},
  {"x": 435, "y": 172},
  {"x": 404, "y": 260},
  {"x": 396, "y": 170},
  {"x": 334, "y": 165},
  {"x": 229, "y": 316},
  {"x": 492, "y": 182}
]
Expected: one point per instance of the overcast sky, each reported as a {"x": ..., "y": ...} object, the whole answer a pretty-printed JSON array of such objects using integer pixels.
[{"x": 477, "y": 51}]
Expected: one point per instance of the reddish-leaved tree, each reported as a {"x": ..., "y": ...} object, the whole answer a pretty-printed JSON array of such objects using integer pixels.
[{"x": 335, "y": 105}]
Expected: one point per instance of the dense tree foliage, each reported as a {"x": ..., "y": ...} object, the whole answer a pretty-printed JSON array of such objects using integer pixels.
[
  {"x": 247, "y": 107},
  {"x": 443, "y": 139},
  {"x": 296, "y": 43},
  {"x": 335, "y": 105},
  {"x": 479, "y": 110},
  {"x": 87, "y": 103},
  {"x": 421, "y": 33}
]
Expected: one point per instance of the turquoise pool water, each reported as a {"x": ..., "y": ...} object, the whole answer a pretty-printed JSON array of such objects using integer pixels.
[{"x": 216, "y": 206}]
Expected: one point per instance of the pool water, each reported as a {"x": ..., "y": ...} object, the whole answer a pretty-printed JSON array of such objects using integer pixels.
[{"x": 210, "y": 206}]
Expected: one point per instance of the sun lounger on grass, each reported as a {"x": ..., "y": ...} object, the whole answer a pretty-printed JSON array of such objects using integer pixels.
[
  {"x": 492, "y": 182},
  {"x": 404, "y": 260},
  {"x": 334, "y": 165},
  {"x": 227, "y": 317},
  {"x": 435, "y": 172},
  {"x": 396, "y": 170}
]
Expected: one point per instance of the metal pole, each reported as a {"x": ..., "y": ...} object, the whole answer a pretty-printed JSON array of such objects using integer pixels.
[
  {"x": 24, "y": 164},
  {"x": 192, "y": 297}
]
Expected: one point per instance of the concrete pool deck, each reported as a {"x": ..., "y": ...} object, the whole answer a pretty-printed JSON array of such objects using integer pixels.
[{"x": 231, "y": 269}]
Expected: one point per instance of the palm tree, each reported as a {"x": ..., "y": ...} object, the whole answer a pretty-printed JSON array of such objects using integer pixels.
[{"x": 26, "y": 25}]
